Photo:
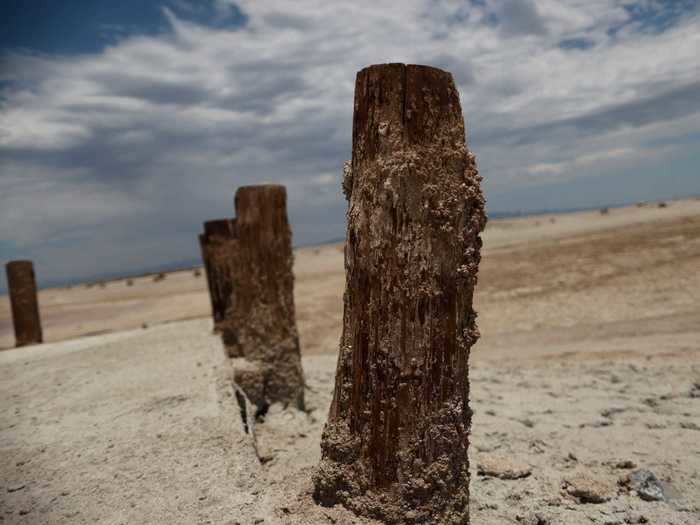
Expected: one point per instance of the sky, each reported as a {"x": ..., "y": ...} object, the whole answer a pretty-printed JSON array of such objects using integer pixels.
[{"x": 125, "y": 125}]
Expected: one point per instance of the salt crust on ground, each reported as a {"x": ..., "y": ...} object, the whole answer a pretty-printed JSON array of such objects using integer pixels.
[
  {"x": 132, "y": 428},
  {"x": 587, "y": 374}
]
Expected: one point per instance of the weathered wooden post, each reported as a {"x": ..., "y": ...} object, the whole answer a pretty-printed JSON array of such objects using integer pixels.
[
  {"x": 395, "y": 445},
  {"x": 261, "y": 327},
  {"x": 21, "y": 284},
  {"x": 216, "y": 244}
]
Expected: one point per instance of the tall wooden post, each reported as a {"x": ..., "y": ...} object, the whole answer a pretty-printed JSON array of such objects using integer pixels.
[
  {"x": 261, "y": 327},
  {"x": 395, "y": 445},
  {"x": 21, "y": 284},
  {"x": 217, "y": 245}
]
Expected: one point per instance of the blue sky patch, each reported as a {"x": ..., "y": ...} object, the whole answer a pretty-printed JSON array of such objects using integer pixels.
[
  {"x": 654, "y": 17},
  {"x": 87, "y": 26}
]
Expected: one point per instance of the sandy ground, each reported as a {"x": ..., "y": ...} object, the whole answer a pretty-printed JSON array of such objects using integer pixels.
[{"x": 587, "y": 378}]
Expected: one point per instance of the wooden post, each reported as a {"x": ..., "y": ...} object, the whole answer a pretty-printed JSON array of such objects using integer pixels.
[
  {"x": 395, "y": 445},
  {"x": 216, "y": 245},
  {"x": 21, "y": 283},
  {"x": 261, "y": 327}
]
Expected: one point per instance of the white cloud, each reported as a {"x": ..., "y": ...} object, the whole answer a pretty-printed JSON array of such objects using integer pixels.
[{"x": 160, "y": 130}]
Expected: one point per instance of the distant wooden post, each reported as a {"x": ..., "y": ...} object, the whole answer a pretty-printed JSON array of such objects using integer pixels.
[
  {"x": 216, "y": 246},
  {"x": 21, "y": 283},
  {"x": 261, "y": 327},
  {"x": 395, "y": 445}
]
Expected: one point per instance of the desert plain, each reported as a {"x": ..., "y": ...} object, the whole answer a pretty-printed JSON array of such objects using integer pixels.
[{"x": 585, "y": 387}]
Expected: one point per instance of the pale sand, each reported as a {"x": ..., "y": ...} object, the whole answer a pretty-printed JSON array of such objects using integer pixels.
[{"x": 590, "y": 349}]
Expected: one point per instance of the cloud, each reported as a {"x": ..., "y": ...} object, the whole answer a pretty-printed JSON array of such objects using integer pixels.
[
  {"x": 519, "y": 17},
  {"x": 667, "y": 106},
  {"x": 146, "y": 139}
]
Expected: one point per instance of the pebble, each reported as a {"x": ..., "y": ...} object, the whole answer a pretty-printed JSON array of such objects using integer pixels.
[
  {"x": 534, "y": 518},
  {"x": 502, "y": 467},
  {"x": 695, "y": 390},
  {"x": 609, "y": 412},
  {"x": 646, "y": 484},
  {"x": 655, "y": 426},
  {"x": 597, "y": 424},
  {"x": 587, "y": 489}
]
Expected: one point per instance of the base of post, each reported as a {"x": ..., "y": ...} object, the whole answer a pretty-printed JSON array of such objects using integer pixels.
[{"x": 426, "y": 496}]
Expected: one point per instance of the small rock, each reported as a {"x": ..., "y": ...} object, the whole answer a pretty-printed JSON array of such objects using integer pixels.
[
  {"x": 646, "y": 484},
  {"x": 487, "y": 448},
  {"x": 586, "y": 489},
  {"x": 609, "y": 412},
  {"x": 538, "y": 446},
  {"x": 15, "y": 487},
  {"x": 695, "y": 390},
  {"x": 650, "y": 402},
  {"x": 597, "y": 424},
  {"x": 689, "y": 425},
  {"x": 626, "y": 463},
  {"x": 655, "y": 426},
  {"x": 534, "y": 518},
  {"x": 502, "y": 467}
]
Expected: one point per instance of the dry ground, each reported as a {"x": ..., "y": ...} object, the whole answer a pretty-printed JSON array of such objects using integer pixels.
[{"x": 584, "y": 375}]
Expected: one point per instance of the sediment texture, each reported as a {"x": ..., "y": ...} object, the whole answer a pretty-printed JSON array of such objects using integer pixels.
[
  {"x": 260, "y": 325},
  {"x": 217, "y": 244},
  {"x": 21, "y": 284},
  {"x": 395, "y": 445}
]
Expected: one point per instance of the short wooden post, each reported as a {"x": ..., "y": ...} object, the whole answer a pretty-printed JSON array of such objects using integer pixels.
[
  {"x": 217, "y": 244},
  {"x": 395, "y": 445},
  {"x": 261, "y": 327},
  {"x": 21, "y": 283}
]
